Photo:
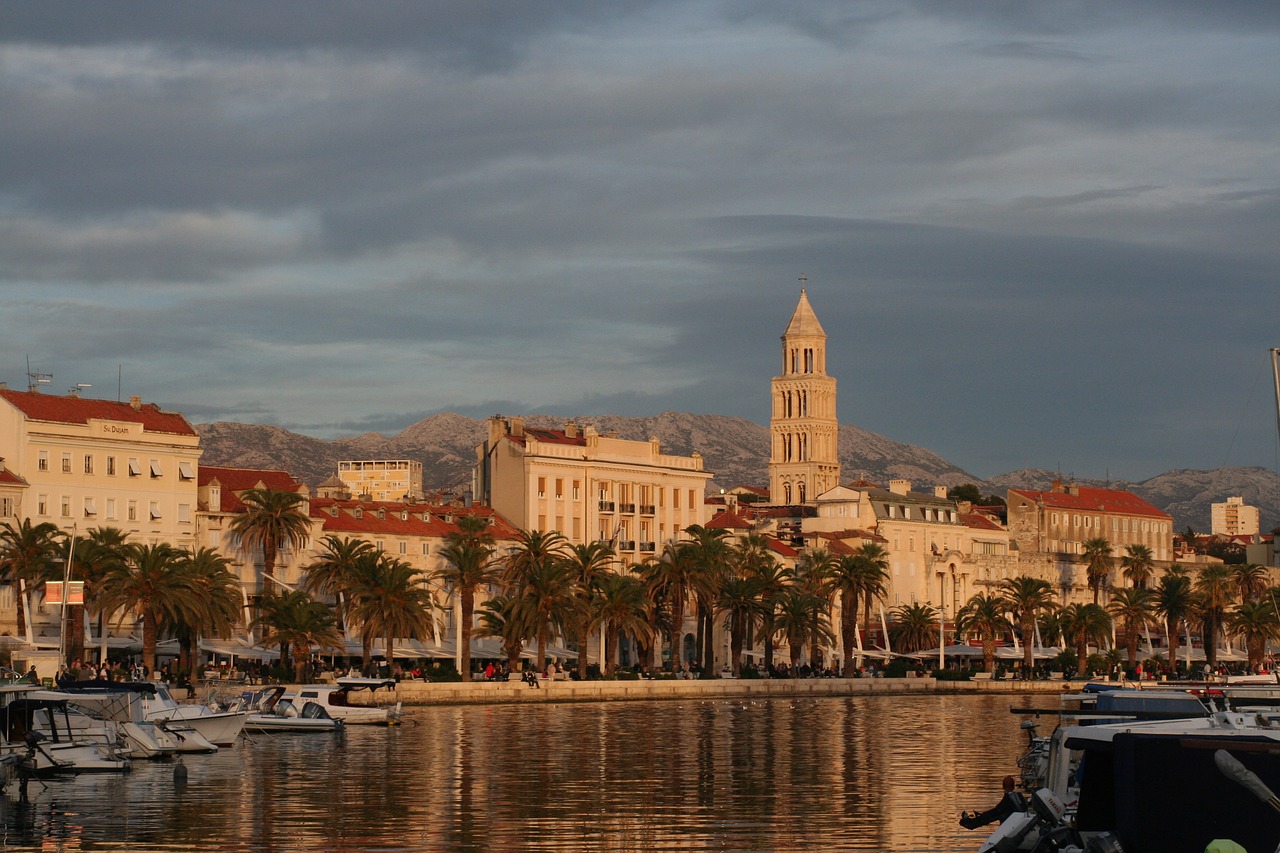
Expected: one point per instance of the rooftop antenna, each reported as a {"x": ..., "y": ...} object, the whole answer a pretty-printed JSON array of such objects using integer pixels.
[
  {"x": 35, "y": 380},
  {"x": 80, "y": 386}
]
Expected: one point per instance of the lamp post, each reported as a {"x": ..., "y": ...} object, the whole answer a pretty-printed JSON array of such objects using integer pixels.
[{"x": 66, "y": 595}]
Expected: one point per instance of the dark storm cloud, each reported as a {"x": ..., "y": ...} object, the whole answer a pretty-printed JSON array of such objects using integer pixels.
[{"x": 1027, "y": 227}]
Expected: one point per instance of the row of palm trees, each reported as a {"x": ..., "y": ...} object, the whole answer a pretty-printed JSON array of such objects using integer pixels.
[{"x": 1220, "y": 600}]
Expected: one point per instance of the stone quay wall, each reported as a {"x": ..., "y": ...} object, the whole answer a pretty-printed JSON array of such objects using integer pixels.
[{"x": 416, "y": 693}]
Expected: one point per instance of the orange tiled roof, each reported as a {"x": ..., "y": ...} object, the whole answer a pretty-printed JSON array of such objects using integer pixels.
[
  {"x": 978, "y": 521},
  {"x": 78, "y": 410},
  {"x": 1094, "y": 500},
  {"x": 7, "y": 476},
  {"x": 728, "y": 520},
  {"x": 391, "y": 523},
  {"x": 235, "y": 480}
]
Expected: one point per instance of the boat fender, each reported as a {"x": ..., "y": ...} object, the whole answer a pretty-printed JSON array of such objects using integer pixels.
[{"x": 179, "y": 774}]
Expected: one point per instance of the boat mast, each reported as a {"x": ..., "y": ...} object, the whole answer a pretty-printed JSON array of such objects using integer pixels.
[{"x": 1275, "y": 374}]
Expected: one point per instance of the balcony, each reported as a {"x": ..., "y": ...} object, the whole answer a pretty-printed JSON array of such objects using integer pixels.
[
  {"x": 627, "y": 508},
  {"x": 648, "y": 547},
  {"x": 606, "y": 506},
  {"x": 627, "y": 545},
  {"x": 646, "y": 509}
]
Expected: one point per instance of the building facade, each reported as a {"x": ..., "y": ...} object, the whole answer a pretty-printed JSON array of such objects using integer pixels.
[
  {"x": 383, "y": 479},
  {"x": 1234, "y": 517},
  {"x": 589, "y": 486},
  {"x": 803, "y": 427}
]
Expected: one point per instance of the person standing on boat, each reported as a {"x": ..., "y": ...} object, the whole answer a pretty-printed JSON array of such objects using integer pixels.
[{"x": 1011, "y": 802}]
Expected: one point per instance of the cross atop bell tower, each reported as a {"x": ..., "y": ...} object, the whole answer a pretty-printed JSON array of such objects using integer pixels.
[{"x": 804, "y": 430}]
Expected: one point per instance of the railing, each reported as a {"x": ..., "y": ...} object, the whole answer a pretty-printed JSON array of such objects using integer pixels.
[
  {"x": 648, "y": 547},
  {"x": 606, "y": 506},
  {"x": 646, "y": 509},
  {"x": 626, "y": 507},
  {"x": 627, "y": 545}
]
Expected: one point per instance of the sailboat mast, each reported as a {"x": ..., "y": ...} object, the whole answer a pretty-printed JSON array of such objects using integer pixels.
[{"x": 1275, "y": 374}]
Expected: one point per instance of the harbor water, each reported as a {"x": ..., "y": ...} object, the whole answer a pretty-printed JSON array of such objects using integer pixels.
[{"x": 876, "y": 773}]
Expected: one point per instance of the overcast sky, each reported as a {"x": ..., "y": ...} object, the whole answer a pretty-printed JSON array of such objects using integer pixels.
[{"x": 1037, "y": 234}]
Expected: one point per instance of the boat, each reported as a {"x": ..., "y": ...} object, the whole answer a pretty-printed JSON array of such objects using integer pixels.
[
  {"x": 335, "y": 699},
  {"x": 197, "y": 728},
  {"x": 1136, "y": 770},
  {"x": 270, "y": 712},
  {"x": 143, "y": 738},
  {"x": 45, "y": 736}
]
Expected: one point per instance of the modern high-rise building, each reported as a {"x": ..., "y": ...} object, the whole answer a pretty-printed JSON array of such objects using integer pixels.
[
  {"x": 1234, "y": 517},
  {"x": 804, "y": 431}
]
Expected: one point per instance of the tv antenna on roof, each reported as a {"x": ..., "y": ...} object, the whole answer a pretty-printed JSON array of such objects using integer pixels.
[
  {"x": 35, "y": 380},
  {"x": 80, "y": 386}
]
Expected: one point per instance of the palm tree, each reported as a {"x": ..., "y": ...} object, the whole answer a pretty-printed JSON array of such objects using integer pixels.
[
  {"x": 1134, "y": 607},
  {"x": 154, "y": 584},
  {"x": 740, "y": 600},
  {"x": 985, "y": 615},
  {"x": 28, "y": 556},
  {"x": 294, "y": 620},
  {"x": 1215, "y": 589},
  {"x": 1137, "y": 565},
  {"x": 533, "y": 550},
  {"x": 272, "y": 521},
  {"x": 468, "y": 565},
  {"x": 670, "y": 577},
  {"x": 545, "y": 602},
  {"x": 1256, "y": 621},
  {"x": 621, "y": 607},
  {"x": 1251, "y": 580},
  {"x": 390, "y": 601},
  {"x": 914, "y": 626},
  {"x": 1174, "y": 604},
  {"x": 1027, "y": 597},
  {"x": 712, "y": 554},
  {"x": 499, "y": 617},
  {"x": 1084, "y": 624},
  {"x": 342, "y": 565},
  {"x": 589, "y": 563},
  {"x": 802, "y": 619},
  {"x": 812, "y": 575},
  {"x": 220, "y": 604},
  {"x": 1097, "y": 556},
  {"x": 96, "y": 553},
  {"x": 773, "y": 581},
  {"x": 872, "y": 575}
]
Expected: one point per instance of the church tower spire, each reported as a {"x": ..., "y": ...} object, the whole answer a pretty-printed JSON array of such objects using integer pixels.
[{"x": 803, "y": 461}]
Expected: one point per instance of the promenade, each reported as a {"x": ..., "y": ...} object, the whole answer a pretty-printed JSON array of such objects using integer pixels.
[{"x": 420, "y": 693}]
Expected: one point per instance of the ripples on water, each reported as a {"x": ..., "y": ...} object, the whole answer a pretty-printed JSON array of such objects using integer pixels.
[{"x": 886, "y": 773}]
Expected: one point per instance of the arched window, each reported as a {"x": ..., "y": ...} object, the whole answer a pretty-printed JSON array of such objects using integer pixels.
[
  {"x": 786, "y": 493},
  {"x": 801, "y": 489}
]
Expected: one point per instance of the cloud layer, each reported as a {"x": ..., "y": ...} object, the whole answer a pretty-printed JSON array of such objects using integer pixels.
[{"x": 1044, "y": 237}]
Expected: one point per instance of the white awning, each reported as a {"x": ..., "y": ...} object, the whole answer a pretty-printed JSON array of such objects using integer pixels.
[
  {"x": 155, "y": 468},
  {"x": 135, "y": 469},
  {"x": 185, "y": 470}
]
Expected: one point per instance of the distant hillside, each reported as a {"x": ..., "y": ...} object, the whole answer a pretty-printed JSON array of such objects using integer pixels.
[{"x": 734, "y": 449}]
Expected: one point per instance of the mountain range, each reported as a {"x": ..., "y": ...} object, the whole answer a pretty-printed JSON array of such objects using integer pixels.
[{"x": 736, "y": 450}]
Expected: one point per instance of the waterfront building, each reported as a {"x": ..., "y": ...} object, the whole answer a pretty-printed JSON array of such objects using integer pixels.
[
  {"x": 1234, "y": 517},
  {"x": 803, "y": 427},
  {"x": 1050, "y": 528},
  {"x": 937, "y": 553},
  {"x": 590, "y": 487},
  {"x": 12, "y": 488},
  {"x": 383, "y": 479}
]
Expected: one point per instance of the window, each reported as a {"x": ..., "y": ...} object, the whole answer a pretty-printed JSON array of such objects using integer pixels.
[
  {"x": 66, "y": 506},
  {"x": 675, "y": 497},
  {"x": 111, "y": 509},
  {"x": 377, "y": 543},
  {"x": 186, "y": 471},
  {"x": 404, "y": 548},
  {"x": 426, "y": 549},
  {"x": 43, "y": 463},
  {"x": 215, "y": 538},
  {"x": 155, "y": 510},
  {"x": 90, "y": 509},
  {"x": 575, "y": 489},
  {"x": 135, "y": 468},
  {"x": 66, "y": 463},
  {"x": 88, "y": 463},
  {"x": 133, "y": 511},
  {"x": 184, "y": 513},
  {"x": 42, "y": 505},
  {"x": 6, "y": 507},
  {"x": 155, "y": 468},
  {"x": 111, "y": 466},
  {"x": 542, "y": 487},
  {"x": 559, "y": 488}
]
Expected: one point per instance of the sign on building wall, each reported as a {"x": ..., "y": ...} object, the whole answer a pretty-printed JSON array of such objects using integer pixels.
[{"x": 53, "y": 592}]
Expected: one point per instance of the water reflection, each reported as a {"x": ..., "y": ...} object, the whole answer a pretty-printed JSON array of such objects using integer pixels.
[{"x": 857, "y": 774}]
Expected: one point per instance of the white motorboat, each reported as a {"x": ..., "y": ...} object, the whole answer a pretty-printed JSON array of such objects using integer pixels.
[
  {"x": 199, "y": 728},
  {"x": 336, "y": 698},
  {"x": 270, "y": 712},
  {"x": 50, "y": 737},
  {"x": 143, "y": 738}
]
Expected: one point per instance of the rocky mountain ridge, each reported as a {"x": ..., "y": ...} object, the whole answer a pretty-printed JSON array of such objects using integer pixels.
[{"x": 734, "y": 449}]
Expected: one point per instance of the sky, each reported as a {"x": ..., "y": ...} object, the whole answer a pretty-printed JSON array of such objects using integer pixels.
[{"x": 1038, "y": 234}]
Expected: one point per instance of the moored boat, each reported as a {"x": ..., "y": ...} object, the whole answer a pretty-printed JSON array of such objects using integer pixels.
[{"x": 335, "y": 699}]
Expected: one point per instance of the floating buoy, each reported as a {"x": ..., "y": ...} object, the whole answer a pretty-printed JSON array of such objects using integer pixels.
[{"x": 180, "y": 774}]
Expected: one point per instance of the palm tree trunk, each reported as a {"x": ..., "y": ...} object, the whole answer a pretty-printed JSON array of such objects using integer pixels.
[
  {"x": 584, "y": 638},
  {"x": 677, "y": 630},
  {"x": 149, "y": 639},
  {"x": 464, "y": 633},
  {"x": 848, "y": 625},
  {"x": 610, "y": 650}
]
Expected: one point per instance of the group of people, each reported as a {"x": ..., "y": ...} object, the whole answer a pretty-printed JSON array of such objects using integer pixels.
[{"x": 109, "y": 670}]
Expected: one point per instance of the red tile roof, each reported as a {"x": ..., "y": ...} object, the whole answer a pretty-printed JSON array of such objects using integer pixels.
[
  {"x": 978, "y": 521},
  {"x": 1090, "y": 499},
  {"x": 728, "y": 520},
  {"x": 234, "y": 480},
  {"x": 391, "y": 524},
  {"x": 782, "y": 548},
  {"x": 7, "y": 476},
  {"x": 78, "y": 410}
]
